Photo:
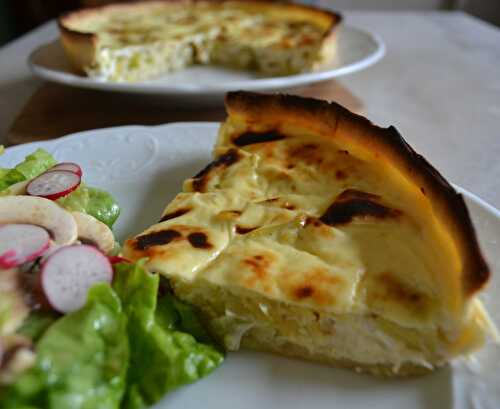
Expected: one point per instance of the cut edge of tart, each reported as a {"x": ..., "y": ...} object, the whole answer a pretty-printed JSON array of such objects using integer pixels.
[
  {"x": 316, "y": 234},
  {"x": 164, "y": 36}
]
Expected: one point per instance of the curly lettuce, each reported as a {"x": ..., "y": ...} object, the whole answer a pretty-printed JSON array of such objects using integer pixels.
[
  {"x": 126, "y": 348},
  {"x": 32, "y": 166},
  {"x": 95, "y": 202}
]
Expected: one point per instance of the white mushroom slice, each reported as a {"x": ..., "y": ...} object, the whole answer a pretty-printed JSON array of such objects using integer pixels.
[
  {"x": 45, "y": 213},
  {"x": 93, "y": 231},
  {"x": 16, "y": 189}
]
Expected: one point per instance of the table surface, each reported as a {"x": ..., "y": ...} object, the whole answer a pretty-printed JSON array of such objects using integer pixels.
[{"x": 439, "y": 84}]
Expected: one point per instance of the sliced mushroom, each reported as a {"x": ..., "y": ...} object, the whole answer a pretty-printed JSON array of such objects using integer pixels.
[
  {"x": 42, "y": 212},
  {"x": 17, "y": 189},
  {"x": 93, "y": 231}
]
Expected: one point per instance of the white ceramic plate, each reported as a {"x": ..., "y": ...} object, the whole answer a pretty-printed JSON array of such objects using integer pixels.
[
  {"x": 144, "y": 168},
  {"x": 356, "y": 50}
]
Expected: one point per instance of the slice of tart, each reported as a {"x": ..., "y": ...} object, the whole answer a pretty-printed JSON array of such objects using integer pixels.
[
  {"x": 133, "y": 42},
  {"x": 316, "y": 234}
]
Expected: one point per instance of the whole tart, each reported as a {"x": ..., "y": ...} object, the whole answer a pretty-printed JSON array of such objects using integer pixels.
[{"x": 138, "y": 41}]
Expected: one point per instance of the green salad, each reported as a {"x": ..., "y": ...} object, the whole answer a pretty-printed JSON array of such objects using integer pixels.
[
  {"x": 125, "y": 348},
  {"x": 85, "y": 199},
  {"x": 129, "y": 344},
  {"x": 34, "y": 164}
]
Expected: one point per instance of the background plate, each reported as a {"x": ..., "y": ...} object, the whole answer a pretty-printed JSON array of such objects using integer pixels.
[
  {"x": 356, "y": 50},
  {"x": 143, "y": 167}
]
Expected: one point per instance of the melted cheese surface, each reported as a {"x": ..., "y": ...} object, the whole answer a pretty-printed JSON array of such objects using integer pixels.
[
  {"x": 285, "y": 220},
  {"x": 307, "y": 240}
]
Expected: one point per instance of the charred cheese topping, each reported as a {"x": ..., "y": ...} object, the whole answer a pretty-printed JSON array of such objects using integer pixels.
[
  {"x": 145, "y": 41},
  {"x": 313, "y": 246}
]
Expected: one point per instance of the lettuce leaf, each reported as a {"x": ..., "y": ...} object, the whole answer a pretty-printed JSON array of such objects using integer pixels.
[
  {"x": 35, "y": 164},
  {"x": 32, "y": 166},
  {"x": 95, "y": 202},
  {"x": 81, "y": 360},
  {"x": 37, "y": 323},
  {"x": 124, "y": 349},
  {"x": 162, "y": 357}
]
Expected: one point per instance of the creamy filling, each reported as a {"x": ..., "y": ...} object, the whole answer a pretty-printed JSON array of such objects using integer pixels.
[
  {"x": 242, "y": 45},
  {"x": 234, "y": 317}
]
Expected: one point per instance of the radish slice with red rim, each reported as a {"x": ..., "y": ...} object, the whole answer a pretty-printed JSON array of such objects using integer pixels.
[
  {"x": 21, "y": 243},
  {"x": 69, "y": 166},
  {"x": 53, "y": 184},
  {"x": 118, "y": 259},
  {"x": 68, "y": 274}
]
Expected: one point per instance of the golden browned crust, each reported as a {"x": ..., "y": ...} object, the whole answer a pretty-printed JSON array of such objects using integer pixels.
[
  {"x": 331, "y": 18},
  {"x": 81, "y": 46},
  {"x": 333, "y": 121}
]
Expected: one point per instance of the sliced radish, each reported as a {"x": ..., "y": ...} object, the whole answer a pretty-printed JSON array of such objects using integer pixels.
[
  {"x": 118, "y": 259},
  {"x": 21, "y": 243},
  {"x": 68, "y": 274},
  {"x": 53, "y": 184},
  {"x": 69, "y": 166}
]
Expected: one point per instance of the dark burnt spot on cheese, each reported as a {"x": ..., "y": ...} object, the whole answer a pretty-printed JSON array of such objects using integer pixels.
[
  {"x": 259, "y": 264},
  {"x": 175, "y": 213},
  {"x": 309, "y": 153},
  {"x": 199, "y": 240},
  {"x": 389, "y": 288},
  {"x": 396, "y": 289},
  {"x": 422, "y": 190},
  {"x": 244, "y": 229},
  {"x": 313, "y": 221},
  {"x": 250, "y": 138},
  {"x": 352, "y": 204},
  {"x": 318, "y": 285},
  {"x": 340, "y": 175},
  {"x": 304, "y": 292},
  {"x": 225, "y": 160},
  {"x": 156, "y": 238}
]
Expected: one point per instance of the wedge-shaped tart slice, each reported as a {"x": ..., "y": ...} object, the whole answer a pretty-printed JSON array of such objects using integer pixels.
[
  {"x": 132, "y": 42},
  {"x": 316, "y": 234}
]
